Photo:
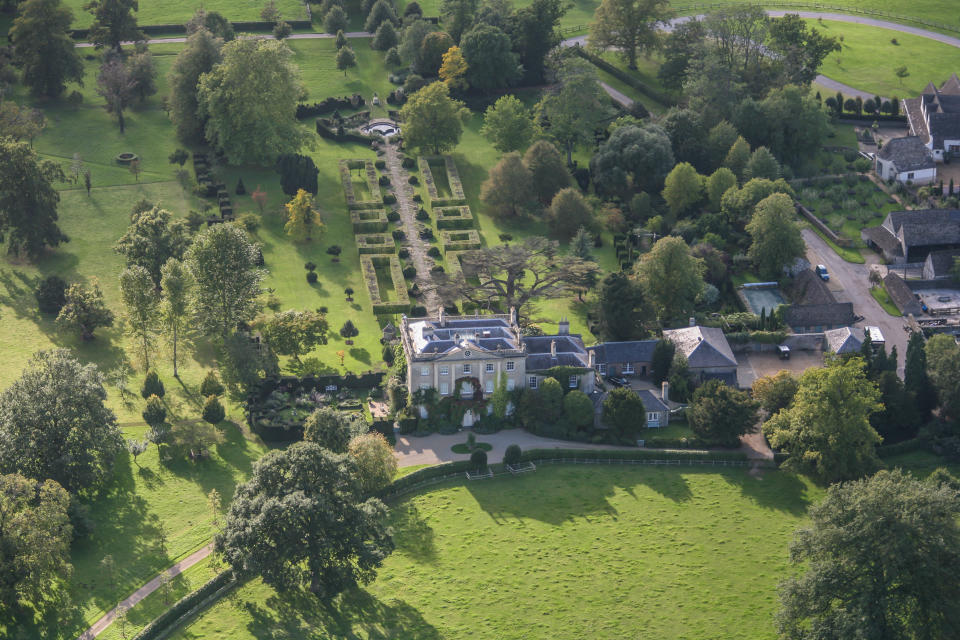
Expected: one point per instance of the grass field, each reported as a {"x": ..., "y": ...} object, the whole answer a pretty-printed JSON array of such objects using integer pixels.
[
  {"x": 563, "y": 553},
  {"x": 179, "y": 11},
  {"x": 868, "y": 59},
  {"x": 883, "y": 298}
]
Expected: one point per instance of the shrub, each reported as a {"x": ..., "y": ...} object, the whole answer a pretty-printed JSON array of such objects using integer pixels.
[
  {"x": 393, "y": 216},
  {"x": 413, "y": 180},
  {"x": 398, "y": 234},
  {"x": 384, "y": 181},
  {"x": 403, "y": 253},
  {"x": 422, "y": 215},
  {"x": 417, "y": 198},
  {"x": 250, "y": 222},
  {"x": 418, "y": 311},
  {"x": 211, "y": 385},
  {"x": 310, "y": 266},
  {"x": 240, "y": 190},
  {"x": 478, "y": 460},
  {"x": 51, "y": 294},
  {"x": 380, "y": 164},
  {"x": 334, "y": 250},
  {"x": 312, "y": 277},
  {"x": 410, "y": 272},
  {"x": 152, "y": 385},
  {"x": 75, "y": 99},
  {"x": 512, "y": 455},
  {"x": 506, "y": 237},
  {"x": 213, "y": 411},
  {"x": 389, "y": 198},
  {"x": 436, "y": 268},
  {"x": 408, "y": 163},
  {"x": 433, "y": 252}
]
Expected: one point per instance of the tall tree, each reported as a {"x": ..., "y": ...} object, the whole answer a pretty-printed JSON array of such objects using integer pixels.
[
  {"x": 198, "y": 57},
  {"x": 222, "y": 261},
  {"x": 28, "y": 200},
  {"x": 661, "y": 360},
  {"x": 534, "y": 32},
  {"x": 381, "y": 11},
  {"x": 303, "y": 220},
  {"x": 116, "y": 86},
  {"x": 43, "y": 49},
  {"x": 826, "y": 433},
  {"x": 302, "y": 519},
  {"x": 113, "y": 22},
  {"x": 547, "y": 169},
  {"x": 687, "y": 133},
  {"x": 775, "y": 392},
  {"x": 624, "y": 413},
  {"x": 682, "y": 189},
  {"x": 916, "y": 379},
  {"x": 453, "y": 71},
  {"x": 865, "y": 573},
  {"x": 570, "y": 211},
  {"x": 376, "y": 464},
  {"x": 432, "y": 120},
  {"x": 508, "y": 125},
  {"x": 577, "y": 108},
  {"x": 153, "y": 238},
  {"x": 250, "y": 102},
  {"x": 22, "y": 123},
  {"x": 490, "y": 62},
  {"x": 458, "y": 16},
  {"x": 434, "y": 45},
  {"x": 516, "y": 274},
  {"x": 35, "y": 542},
  {"x": 800, "y": 49},
  {"x": 943, "y": 366},
  {"x": 139, "y": 295},
  {"x": 671, "y": 277},
  {"x": 294, "y": 333},
  {"x": 623, "y": 308},
  {"x": 634, "y": 158},
  {"x": 84, "y": 310},
  {"x": 685, "y": 44},
  {"x": 384, "y": 39},
  {"x": 721, "y": 413},
  {"x": 155, "y": 415},
  {"x": 346, "y": 59},
  {"x": 776, "y": 239},
  {"x": 143, "y": 72},
  {"x": 175, "y": 283},
  {"x": 54, "y": 424},
  {"x": 330, "y": 429},
  {"x": 719, "y": 182},
  {"x": 508, "y": 190},
  {"x": 629, "y": 26}
]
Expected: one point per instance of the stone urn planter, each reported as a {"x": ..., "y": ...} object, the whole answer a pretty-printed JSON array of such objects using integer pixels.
[{"x": 126, "y": 158}]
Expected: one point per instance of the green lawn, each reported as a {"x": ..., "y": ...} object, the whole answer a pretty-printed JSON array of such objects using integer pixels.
[
  {"x": 868, "y": 59},
  {"x": 883, "y": 298},
  {"x": 179, "y": 11},
  {"x": 567, "y": 552},
  {"x": 579, "y": 12}
]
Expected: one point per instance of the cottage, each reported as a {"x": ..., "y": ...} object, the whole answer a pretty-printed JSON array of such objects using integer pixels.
[
  {"x": 814, "y": 308},
  {"x": 623, "y": 358},
  {"x": 934, "y": 117},
  {"x": 844, "y": 340},
  {"x": 939, "y": 264},
  {"x": 707, "y": 351},
  {"x": 910, "y": 236},
  {"x": 658, "y": 413},
  {"x": 906, "y": 160},
  {"x": 544, "y": 353},
  {"x": 901, "y": 294}
]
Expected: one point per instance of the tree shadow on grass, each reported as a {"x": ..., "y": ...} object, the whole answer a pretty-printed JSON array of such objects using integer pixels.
[
  {"x": 353, "y": 614},
  {"x": 412, "y": 533},
  {"x": 234, "y": 460},
  {"x": 773, "y": 489},
  {"x": 361, "y": 355}
]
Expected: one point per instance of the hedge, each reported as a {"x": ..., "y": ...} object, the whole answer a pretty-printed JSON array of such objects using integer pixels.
[
  {"x": 154, "y": 29},
  {"x": 453, "y": 217},
  {"x": 186, "y": 605},
  {"x": 619, "y": 74},
  {"x": 453, "y": 179},
  {"x": 346, "y": 180},
  {"x": 907, "y": 446},
  {"x": 460, "y": 240},
  {"x": 533, "y": 455},
  {"x": 345, "y": 136},
  {"x": 329, "y": 105},
  {"x": 368, "y": 265},
  {"x": 375, "y": 243},
  {"x": 657, "y": 442},
  {"x": 368, "y": 221}
]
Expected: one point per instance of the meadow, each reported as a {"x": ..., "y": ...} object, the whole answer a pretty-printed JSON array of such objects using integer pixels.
[
  {"x": 153, "y": 12},
  {"x": 566, "y": 552}
]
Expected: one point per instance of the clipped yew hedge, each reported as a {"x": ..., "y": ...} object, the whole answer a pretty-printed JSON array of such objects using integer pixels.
[{"x": 185, "y": 606}]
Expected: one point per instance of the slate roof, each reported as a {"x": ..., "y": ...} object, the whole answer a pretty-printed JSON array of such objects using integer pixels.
[
  {"x": 882, "y": 237},
  {"x": 703, "y": 346},
  {"x": 908, "y": 154},
  {"x": 925, "y": 227},
  {"x": 941, "y": 262},
  {"x": 428, "y": 336},
  {"x": 812, "y": 315},
  {"x": 901, "y": 294},
  {"x": 844, "y": 339},
  {"x": 570, "y": 352},
  {"x": 651, "y": 402},
  {"x": 617, "y": 352},
  {"x": 942, "y": 108},
  {"x": 809, "y": 288}
]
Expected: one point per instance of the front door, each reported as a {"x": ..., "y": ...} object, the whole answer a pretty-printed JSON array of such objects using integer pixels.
[{"x": 468, "y": 419}]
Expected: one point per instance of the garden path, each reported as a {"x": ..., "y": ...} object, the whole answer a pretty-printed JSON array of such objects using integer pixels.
[{"x": 408, "y": 211}]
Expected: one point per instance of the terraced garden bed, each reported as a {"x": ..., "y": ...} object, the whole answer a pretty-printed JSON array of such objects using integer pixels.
[
  {"x": 375, "y": 243},
  {"x": 453, "y": 217},
  {"x": 442, "y": 179},
  {"x": 383, "y": 276},
  {"x": 460, "y": 240},
  {"x": 369, "y": 220},
  {"x": 362, "y": 190}
]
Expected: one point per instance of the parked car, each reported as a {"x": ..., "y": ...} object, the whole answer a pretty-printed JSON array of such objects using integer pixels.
[
  {"x": 618, "y": 381},
  {"x": 822, "y": 272}
]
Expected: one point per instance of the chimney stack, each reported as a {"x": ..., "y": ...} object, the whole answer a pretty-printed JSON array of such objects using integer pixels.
[
  {"x": 442, "y": 317},
  {"x": 553, "y": 349},
  {"x": 591, "y": 359},
  {"x": 513, "y": 316},
  {"x": 563, "y": 328},
  {"x": 665, "y": 392}
]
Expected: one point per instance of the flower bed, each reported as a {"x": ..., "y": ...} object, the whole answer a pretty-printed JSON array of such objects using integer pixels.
[
  {"x": 375, "y": 201},
  {"x": 453, "y": 179},
  {"x": 453, "y": 263},
  {"x": 453, "y": 217},
  {"x": 460, "y": 240},
  {"x": 374, "y": 243},
  {"x": 369, "y": 220},
  {"x": 369, "y": 264}
]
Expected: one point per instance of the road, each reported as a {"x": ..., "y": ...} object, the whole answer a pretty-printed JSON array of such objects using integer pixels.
[{"x": 850, "y": 282}]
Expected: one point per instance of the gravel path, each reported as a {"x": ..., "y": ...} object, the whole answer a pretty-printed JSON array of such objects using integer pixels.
[{"x": 408, "y": 211}]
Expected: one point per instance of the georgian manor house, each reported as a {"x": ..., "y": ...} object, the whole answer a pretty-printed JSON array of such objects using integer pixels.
[{"x": 470, "y": 353}]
